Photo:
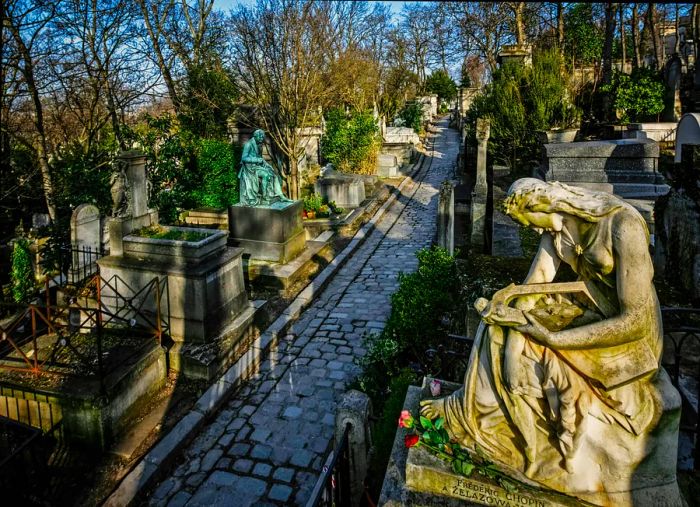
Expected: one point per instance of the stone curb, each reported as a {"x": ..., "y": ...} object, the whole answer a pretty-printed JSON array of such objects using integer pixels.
[{"x": 144, "y": 473}]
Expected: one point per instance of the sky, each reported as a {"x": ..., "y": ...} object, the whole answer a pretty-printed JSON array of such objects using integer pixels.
[{"x": 225, "y": 5}]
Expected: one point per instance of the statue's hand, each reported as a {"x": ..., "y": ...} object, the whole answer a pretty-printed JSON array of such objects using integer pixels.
[{"x": 536, "y": 330}]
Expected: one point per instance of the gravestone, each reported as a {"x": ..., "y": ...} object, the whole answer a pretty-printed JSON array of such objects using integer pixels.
[
  {"x": 626, "y": 167},
  {"x": 677, "y": 252},
  {"x": 672, "y": 99},
  {"x": 86, "y": 238},
  {"x": 387, "y": 166},
  {"x": 480, "y": 191},
  {"x": 346, "y": 190},
  {"x": 446, "y": 217},
  {"x": 688, "y": 132}
]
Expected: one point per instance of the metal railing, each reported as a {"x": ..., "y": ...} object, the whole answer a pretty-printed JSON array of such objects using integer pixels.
[
  {"x": 681, "y": 332},
  {"x": 333, "y": 486},
  {"x": 105, "y": 323}
]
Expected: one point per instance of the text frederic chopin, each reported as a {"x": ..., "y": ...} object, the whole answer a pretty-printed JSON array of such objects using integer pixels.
[{"x": 490, "y": 496}]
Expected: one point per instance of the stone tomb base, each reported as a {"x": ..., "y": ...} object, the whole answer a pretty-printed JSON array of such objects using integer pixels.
[
  {"x": 203, "y": 298},
  {"x": 270, "y": 233},
  {"x": 416, "y": 477}
]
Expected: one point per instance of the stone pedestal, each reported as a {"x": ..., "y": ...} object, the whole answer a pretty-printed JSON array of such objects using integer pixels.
[
  {"x": 123, "y": 226},
  {"x": 206, "y": 290},
  {"x": 345, "y": 190},
  {"x": 272, "y": 233},
  {"x": 387, "y": 166},
  {"x": 627, "y": 167}
]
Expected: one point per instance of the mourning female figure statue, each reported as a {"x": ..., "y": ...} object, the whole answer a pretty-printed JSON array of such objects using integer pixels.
[
  {"x": 259, "y": 184},
  {"x": 570, "y": 395}
]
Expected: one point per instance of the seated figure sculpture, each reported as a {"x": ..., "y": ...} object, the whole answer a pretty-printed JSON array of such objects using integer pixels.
[
  {"x": 578, "y": 403},
  {"x": 259, "y": 184}
]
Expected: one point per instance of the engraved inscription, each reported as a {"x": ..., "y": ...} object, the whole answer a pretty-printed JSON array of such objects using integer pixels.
[{"x": 490, "y": 496}]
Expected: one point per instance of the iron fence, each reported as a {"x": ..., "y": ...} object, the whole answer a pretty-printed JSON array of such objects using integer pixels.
[
  {"x": 104, "y": 324},
  {"x": 333, "y": 486}
]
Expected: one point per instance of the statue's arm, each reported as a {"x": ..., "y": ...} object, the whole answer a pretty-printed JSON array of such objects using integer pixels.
[
  {"x": 542, "y": 270},
  {"x": 634, "y": 292},
  {"x": 249, "y": 155}
]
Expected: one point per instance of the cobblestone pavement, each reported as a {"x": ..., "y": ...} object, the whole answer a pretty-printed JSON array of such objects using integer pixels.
[{"x": 266, "y": 445}]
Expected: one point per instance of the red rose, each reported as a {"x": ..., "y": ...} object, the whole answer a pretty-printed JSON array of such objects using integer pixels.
[{"x": 411, "y": 440}]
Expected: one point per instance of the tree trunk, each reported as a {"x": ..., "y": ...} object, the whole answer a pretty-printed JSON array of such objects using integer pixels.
[
  {"x": 162, "y": 65},
  {"x": 655, "y": 38},
  {"x": 607, "y": 56},
  {"x": 519, "y": 23},
  {"x": 560, "y": 24},
  {"x": 677, "y": 39},
  {"x": 623, "y": 37},
  {"x": 40, "y": 145},
  {"x": 293, "y": 179},
  {"x": 636, "y": 42}
]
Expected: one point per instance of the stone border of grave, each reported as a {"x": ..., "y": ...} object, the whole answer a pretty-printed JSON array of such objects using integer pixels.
[{"x": 160, "y": 455}]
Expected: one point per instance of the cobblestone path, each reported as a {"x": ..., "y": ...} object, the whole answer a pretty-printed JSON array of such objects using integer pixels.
[{"x": 266, "y": 445}]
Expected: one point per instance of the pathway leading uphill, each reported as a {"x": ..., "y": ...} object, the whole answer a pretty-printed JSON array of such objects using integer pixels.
[{"x": 267, "y": 443}]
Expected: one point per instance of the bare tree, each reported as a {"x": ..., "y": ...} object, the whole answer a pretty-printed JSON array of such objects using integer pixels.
[
  {"x": 652, "y": 22},
  {"x": 27, "y": 23},
  {"x": 278, "y": 58},
  {"x": 636, "y": 39},
  {"x": 623, "y": 36},
  {"x": 416, "y": 26}
]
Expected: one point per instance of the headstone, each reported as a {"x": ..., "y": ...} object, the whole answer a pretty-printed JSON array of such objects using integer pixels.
[
  {"x": 480, "y": 192},
  {"x": 672, "y": 74},
  {"x": 86, "y": 238},
  {"x": 446, "y": 217},
  {"x": 354, "y": 409},
  {"x": 346, "y": 190},
  {"x": 626, "y": 167},
  {"x": 663, "y": 133},
  {"x": 387, "y": 166},
  {"x": 688, "y": 132}
]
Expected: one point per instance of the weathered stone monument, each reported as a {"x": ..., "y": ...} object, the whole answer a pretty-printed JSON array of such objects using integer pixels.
[
  {"x": 265, "y": 224},
  {"x": 86, "y": 239},
  {"x": 672, "y": 99},
  {"x": 626, "y": 167},
  {"x": 677, "y": 248},
  {"x": 564, "y": 399},
  {"x": 129, "y": 199},
  {"x": 480, "y": 191},
  {"x": 446, "y": 217},
  {"x": 346, "y": 190},
  {"x": 205, "y": 278},
  {"x": 688, "y": 132}
]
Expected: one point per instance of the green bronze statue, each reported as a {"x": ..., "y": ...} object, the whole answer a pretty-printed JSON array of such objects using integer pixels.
[{"x": 259, "y": 183}]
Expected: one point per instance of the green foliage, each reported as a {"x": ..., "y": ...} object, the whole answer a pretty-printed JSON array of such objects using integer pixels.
[
  {"x": 520, "y": 101},
  {"x": 637, "y": 96},
  {"x": 217, "y": 162},
  {"x": 159, "y": 232},
  {"x": 313, "y": 202},
  {"x": 81, "y": 175},
  {"x": 423, "y": 298},
  {"x": 412, "y": 115},
  {"x": 441, "y": 84},
  {"x": 351, "y": 141},
  {"x": 21, "y": 273},
  {"x": 208, "y": 100},
  {"x": 583, "y": 38},
  {"x": 186, "y": 171}
]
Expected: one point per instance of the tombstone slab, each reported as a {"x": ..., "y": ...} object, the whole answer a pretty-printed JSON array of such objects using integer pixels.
[
  {"x": 86, "y": 238},
  {"x": 271, "y": 233},
  {"x": 387, "y": 166},
  {"x": 347, "y": 191},
  {"x": 688, "y": 132}
]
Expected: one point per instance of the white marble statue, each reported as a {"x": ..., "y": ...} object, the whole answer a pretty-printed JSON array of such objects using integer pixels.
[{"x": 565, "y": 389}]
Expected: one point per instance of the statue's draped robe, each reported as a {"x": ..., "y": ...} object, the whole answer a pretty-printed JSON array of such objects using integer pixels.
[
  {"x": 568, "y": 432},
  {"x": 258, "y": 183}
]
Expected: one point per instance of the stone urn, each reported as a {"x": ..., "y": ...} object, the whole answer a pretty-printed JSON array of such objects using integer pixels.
[{"x": 555, "y": 136}]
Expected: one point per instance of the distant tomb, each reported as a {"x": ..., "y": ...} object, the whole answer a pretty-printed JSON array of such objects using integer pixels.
[
  {"x": 346, "y": 190},
  {"x": 688, "y": 132},
  {"x": 627, "y": 167}
]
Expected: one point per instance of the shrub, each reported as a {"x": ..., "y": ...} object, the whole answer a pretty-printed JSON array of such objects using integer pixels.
[
  {"x": 21, "y": 273},
  {"x": 351, "y": 141},
  {"x": 637, "y": 96},
  {"x": 217, "y": 161},
  {"x": 313, "y": 202},
  {"x": 412, "y": 116}
]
